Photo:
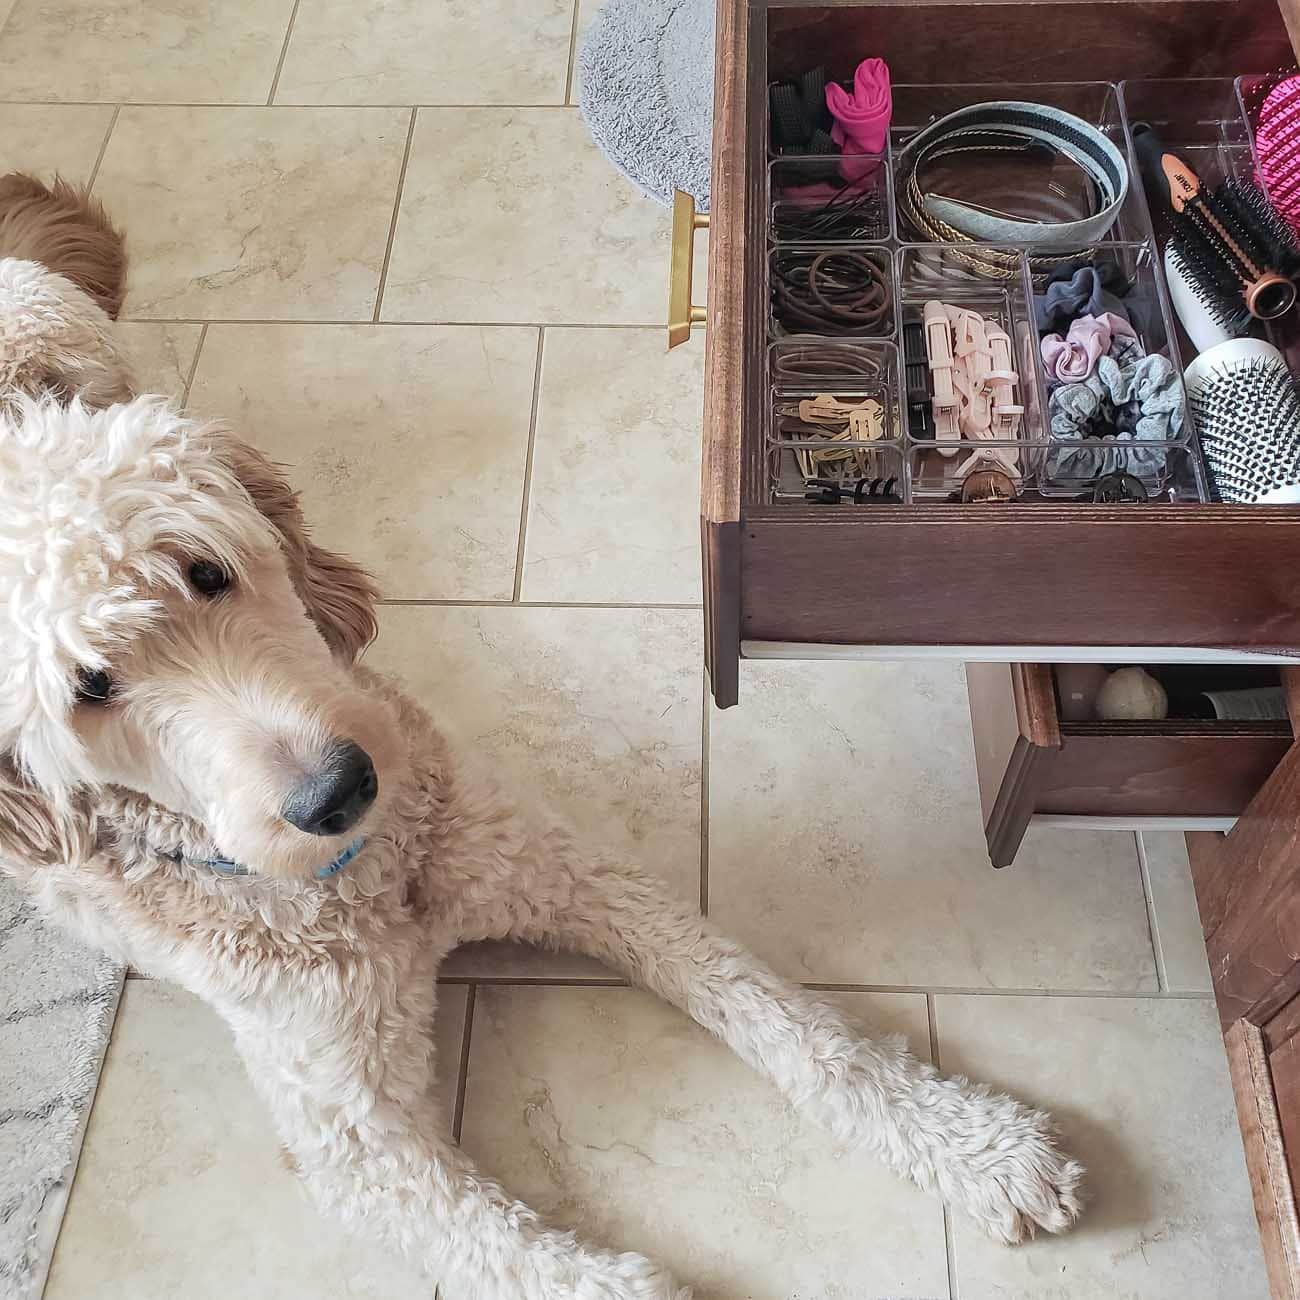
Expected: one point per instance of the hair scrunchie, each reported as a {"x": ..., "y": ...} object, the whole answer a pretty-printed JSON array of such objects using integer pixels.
[{"x": 1102, "y": 422}]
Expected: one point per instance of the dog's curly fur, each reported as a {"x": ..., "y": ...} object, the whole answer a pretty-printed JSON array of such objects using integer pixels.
[{"x": 108, "y": 812}]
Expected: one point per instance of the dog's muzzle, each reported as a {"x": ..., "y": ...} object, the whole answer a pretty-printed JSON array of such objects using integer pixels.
[{"x": 333, "y": 800}]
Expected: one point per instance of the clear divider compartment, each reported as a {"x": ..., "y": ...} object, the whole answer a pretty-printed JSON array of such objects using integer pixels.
[
  {"x": 938, "y": 285},
  {"x": 847, "y": 291},
  {"x": 1046, "y": 186},
  {"x": 835, "y": 433},
  {"x": 830, "y": 199}
]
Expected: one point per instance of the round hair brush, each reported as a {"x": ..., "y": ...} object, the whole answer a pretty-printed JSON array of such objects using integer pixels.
[
  {"x": 1247, "y": 413},
  {"x": 1239, "y": 256}
]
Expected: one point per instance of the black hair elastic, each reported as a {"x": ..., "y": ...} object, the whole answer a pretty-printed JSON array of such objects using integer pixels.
[{"x": 832, "y": 292}]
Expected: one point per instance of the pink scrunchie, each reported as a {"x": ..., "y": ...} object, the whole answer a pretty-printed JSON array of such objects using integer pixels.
[
  {"x": 1074, "y": 357},
  {"x": 862, "y": 116}
]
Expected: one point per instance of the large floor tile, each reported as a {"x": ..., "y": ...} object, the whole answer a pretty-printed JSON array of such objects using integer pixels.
[
  {"x": 182, "y": 1189},
  {"x": 846, "y": 845},
  {"x": 416, "y": 52},
  {"x": 614, "y": 506},
  {"x": 163, "y": 354},
  {"x": 1175, "y": 920},
  {"x": 594, "y": 713},
  {"x": 513, "y": 215},
  {"x": 611, "y": 1113},
  {"x": 254, "y": 213},
  {"x": 52, "y": 139},
  {"x": 1140, "y": 1088},
  {"x": 154, "y": 51},
  {"x": 408, "y": 442}
]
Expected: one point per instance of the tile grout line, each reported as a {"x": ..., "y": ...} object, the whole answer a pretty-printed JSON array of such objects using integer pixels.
[
  {"x": 616, "y": 981},
  {"x": 965, "y": 992},
  {"x": 526, "y": 500},
  {"x": 950, "y": 1253},
  {"x": 453, "y": 603},
  {"x": 257, "y": 103},
  {"x": 1153, "y": 927},
  {"x": 284, "y": 54},
  {"x": 704, "y": 795},
  {"x": 103, "y": 148},
  {"x": 194, "y": 366},
  {"x": 573, "y": 55},
  {"x": 392, "y": 225},
  {"x": 392, "y": 324},
  {"x": 932, "y": 1023},
  {"x": 462, "y": 1070}
]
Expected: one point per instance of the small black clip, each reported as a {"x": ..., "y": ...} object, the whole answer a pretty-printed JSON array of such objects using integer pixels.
[{"x": 829, "y": 492}]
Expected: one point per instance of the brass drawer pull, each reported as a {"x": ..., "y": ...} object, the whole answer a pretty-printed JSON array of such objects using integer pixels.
[{"x": 682, "y": 313}]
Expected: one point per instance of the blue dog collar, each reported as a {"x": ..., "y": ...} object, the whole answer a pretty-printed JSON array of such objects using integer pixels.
[{"x": 229, "y": 867}]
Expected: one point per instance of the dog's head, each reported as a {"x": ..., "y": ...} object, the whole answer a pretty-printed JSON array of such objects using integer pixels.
[{"x": 166, "y": 626}]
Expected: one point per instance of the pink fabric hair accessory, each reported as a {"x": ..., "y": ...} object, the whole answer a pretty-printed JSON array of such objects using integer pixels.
[
  {"x": 1277, "y": 146},
  {"x": 1073, "y": 358},
  {"x": 862, "y": 116}
]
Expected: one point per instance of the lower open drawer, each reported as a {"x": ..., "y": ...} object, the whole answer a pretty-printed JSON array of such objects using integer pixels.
[{"x": 1042, "y": 751}]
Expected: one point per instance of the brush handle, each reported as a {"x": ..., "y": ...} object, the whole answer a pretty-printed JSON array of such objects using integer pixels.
[
  {"x": 1165, "y": 173},
  {"x": 1204, "y": 331}
]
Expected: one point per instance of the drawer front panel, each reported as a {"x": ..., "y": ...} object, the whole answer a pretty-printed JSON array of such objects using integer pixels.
[
  {"x": 944, "y": 576},
  {"x": 1157, "y": 776}
]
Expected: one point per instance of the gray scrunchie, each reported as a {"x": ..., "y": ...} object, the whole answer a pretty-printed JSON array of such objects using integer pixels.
[{"x": 1136, "y": 399}]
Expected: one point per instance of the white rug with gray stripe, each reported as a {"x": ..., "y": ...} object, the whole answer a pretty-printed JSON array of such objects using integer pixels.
[{"x": 57, "y": 1004}]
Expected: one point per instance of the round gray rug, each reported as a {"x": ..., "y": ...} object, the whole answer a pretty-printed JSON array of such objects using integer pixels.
[{"x": 646, "y": 77}]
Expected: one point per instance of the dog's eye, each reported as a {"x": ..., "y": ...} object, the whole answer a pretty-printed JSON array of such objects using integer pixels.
[
  {"x": 208, "y": 579},
  {"x": 94, "y": 686}
]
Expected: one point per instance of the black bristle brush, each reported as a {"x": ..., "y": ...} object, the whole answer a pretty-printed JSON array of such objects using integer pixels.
[{"x": 1238, "y": 255}]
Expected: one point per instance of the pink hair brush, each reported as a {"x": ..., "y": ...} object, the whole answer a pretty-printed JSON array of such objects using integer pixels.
[{"x": 1277, "y": 147}]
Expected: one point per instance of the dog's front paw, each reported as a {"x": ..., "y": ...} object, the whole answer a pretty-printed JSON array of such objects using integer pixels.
[
  {"x": 1005, "y": 1170},
  {"x": 627, "y": 1277}
]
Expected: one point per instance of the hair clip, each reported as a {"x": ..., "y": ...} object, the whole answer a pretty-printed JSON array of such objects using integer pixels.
[
  {"x": 1115, "y": 487},
  {"x": 986, "y": 485}
]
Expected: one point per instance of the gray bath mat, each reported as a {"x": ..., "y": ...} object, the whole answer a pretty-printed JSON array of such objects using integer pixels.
[
  {"x": 57, "y": 1004},
  {"x": 646, "y": 73}
]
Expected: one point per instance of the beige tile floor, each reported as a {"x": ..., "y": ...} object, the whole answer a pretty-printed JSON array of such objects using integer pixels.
[{"x": 375, "y": 238}]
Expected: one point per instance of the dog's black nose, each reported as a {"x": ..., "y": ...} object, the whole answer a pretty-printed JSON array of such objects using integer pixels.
[{"x": 335, "y": 798}]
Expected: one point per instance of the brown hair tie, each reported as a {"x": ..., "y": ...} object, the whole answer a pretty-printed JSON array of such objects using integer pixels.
[
  {"x": 827, "y": 361},
  {"x": 832, "y": 292}
]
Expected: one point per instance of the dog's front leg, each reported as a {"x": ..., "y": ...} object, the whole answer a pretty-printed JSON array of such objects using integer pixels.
[
  {"x": 349, "y": 1090},
  {"x": 983, "y": 1152}
]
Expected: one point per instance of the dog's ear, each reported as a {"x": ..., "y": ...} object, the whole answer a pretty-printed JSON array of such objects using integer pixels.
[
  {"x": 339, "y": 595},
  {"x": 33, "y": 830},
  {"x": 66, "y": 231}
]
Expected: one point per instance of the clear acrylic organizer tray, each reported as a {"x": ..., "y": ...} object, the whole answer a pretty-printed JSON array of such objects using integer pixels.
[{"x": 1206, "y": 118}]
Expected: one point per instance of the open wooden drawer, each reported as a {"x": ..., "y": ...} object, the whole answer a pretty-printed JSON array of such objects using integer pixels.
[
  {"x": 1187, "y": 773},
  {"x": 1020, "y": 578}
]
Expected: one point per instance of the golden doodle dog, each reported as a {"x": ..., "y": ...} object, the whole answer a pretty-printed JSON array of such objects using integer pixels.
[{"x": 196, "y": 776}]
